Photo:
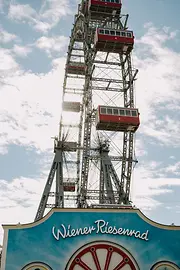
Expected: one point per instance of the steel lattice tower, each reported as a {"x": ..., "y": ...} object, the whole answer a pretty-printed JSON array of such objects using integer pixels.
[{"x": 92, "y": 168}]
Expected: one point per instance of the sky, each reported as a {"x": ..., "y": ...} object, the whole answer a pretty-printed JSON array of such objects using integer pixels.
[{"x": 34, "y": 37}]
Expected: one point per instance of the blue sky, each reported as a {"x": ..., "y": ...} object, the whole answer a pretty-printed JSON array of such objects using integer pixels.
[{"x": 33, "y": 45}]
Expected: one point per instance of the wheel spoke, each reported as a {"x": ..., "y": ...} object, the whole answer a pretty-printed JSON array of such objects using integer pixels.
[
  {"x": 96, "y": 260},
  {"x": 108, "y": 258},
  {"x": 120, "y": 265},
  {"x": 83, "y": 265}
]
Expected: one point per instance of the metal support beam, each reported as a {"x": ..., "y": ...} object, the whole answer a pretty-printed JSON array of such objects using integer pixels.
[{"x": 56, "y": 168}]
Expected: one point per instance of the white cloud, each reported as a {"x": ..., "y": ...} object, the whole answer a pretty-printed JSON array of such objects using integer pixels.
[
  {"x": 56, "y": 44},
  {"x": 3, "y": 150},
  {"x": 56, "y": 62},
  {"x": 140, "y": 148},
  {"x": 6, "y": 37},
  {"x": 146, "y": 185},
  {"x": 53, "y": 10},
  {"x": 8, "y": 68},
  {"x": 157, "y": 85},
  {"x": 21, "y": 51},
  {"x": 175, "y": 169},
  {"x": 42, "y": 26},
  {"x": 164, "y": 132},
  {"x": 29, "y": 116},
  {"x": 8, "y": 65},
  {"x": 19, "y": 200},
  {"x": 19, "y": 12},
  {"x": 49, "y": 15}
]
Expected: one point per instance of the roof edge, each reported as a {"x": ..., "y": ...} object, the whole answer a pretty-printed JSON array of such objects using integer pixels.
[{"x": 105, "y": 210}]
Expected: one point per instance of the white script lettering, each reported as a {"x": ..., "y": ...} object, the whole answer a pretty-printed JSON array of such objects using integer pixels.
[{"x": 100, "y": 227}]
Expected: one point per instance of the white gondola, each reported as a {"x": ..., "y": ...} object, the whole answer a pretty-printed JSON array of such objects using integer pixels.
[{"x": 71, "y": 106}]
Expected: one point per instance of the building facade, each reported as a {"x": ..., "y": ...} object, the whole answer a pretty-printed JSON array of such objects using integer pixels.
[{"x": 102, "y": 239}]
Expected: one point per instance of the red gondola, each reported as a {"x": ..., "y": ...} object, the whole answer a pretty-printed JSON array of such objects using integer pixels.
[
  {"x": 104, "y": 7},
  {"x": 117, "y": 41},
  {"x": 69, "y": 186},
  {"x": 77, "y": 68},
  {"x": 117, "y": 119}
]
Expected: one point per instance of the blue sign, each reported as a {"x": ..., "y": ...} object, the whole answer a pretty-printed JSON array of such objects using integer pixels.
[{"x": 102, "y": 239}]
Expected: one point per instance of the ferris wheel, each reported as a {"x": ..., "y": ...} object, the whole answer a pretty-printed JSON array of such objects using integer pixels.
[{"x": 94, "y": 154}]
